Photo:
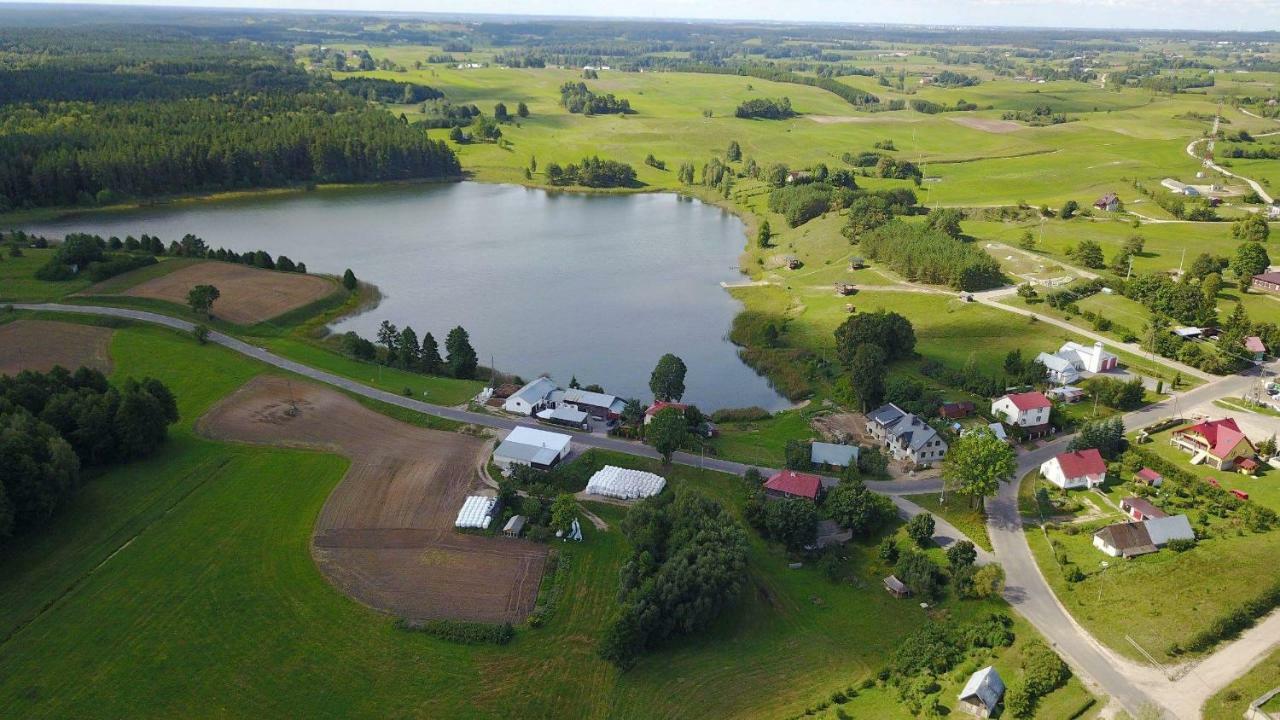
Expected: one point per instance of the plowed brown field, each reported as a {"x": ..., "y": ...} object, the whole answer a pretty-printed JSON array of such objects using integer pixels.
[
  {"x": 385, "y": 535},
  {"x": 40, "y": 344},
  {"x": 248, "y": 294}
]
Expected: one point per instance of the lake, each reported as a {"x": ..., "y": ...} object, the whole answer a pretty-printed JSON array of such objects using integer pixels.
[{"x": 592, "y": 286}]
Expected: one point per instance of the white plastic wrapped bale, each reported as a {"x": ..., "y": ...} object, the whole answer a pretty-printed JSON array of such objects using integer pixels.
[
  {"x": 476, "y": 512},
  {"x": 625, "y": 484}
]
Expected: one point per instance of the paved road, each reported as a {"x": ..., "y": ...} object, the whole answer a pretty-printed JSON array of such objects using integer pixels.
[{"x": 1026, "y": 588}]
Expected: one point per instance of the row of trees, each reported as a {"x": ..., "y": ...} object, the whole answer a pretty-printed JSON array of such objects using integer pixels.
[
  {"x": 53, "y": 424},
  {"x": 401, "y": 349},
  {"x": 592, "y": 172}
]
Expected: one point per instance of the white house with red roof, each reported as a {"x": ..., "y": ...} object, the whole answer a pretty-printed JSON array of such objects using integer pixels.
[
  {"x": 1026, "y": 410},
  {"x": 658, "y": 407},
  {"x": 790, "y": 483},
  {"x": 1216, "y": 443},
  {"x": 1078, "y": 469}
]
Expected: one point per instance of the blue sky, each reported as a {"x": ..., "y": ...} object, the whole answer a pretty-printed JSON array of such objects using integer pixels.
[{"x": 1162, "y": 14}]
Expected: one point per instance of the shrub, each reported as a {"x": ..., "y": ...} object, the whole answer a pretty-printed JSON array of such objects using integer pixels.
[
  {"x": 464, "y": 633},
  {"x": 747, "y": 414},
  {"x": 1181, "y": 544}
]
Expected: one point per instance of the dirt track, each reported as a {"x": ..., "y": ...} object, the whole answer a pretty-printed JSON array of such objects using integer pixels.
[
  {"x": 41, "y": 344},
  {"x": 248, "y": 294},
  {"x": 385, "y": 535},
  {"x": 987, "y": 124}
]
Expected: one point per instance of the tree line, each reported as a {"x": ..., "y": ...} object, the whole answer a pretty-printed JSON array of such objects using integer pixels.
[
  {"x": 52, "y": 425},
  {"x": 101, "y": 258},
  {"x": 402, "y": 349}
]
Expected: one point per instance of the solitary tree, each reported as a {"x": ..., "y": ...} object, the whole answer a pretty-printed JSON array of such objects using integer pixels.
[
  {"x": 667, "y": 432},
  {"x": 793, "y": 522},
  {"x": 734, "y": 153},
  {"x": 1069, "y": 209},
  {"x": 858, "y": 509},
  {"x": 349, "y": 280},
  {"x": 201, "y": 298},
  {"x": 920, "y": 528},
  {"x": 667, "y": 380},
  {"x": 522, "y": 110},
  {"x": 1250, "y": 259},
  {"x": 500, "y": 112},
  {"x": 961, "y": 554},
  {"x": 977, "y": 463},
  {"x": 462, "y": 359},
  {"x": 763, "y": 234},
  {"x": 563, "y": 511}
]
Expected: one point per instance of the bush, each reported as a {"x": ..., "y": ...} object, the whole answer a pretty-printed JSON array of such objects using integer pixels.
[
  {"x": 464, "y": 633},
  {"x": 800, "y": 203},
  {"x": 920, "y": 528},
  {"x": 747, "y": 414},
  {"x": 1235, "y": 621},
  {"x": 1181, "y": 544}
]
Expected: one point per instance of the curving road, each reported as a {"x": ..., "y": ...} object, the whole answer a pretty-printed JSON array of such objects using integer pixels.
[{"x": 1130, "y": 685}]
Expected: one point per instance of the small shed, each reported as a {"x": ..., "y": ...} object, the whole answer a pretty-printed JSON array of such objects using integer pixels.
[
  {"x": 515, "y": 526},
  {"x": 896, "y": 587},
  {"x": 1141, "y": 509},
  {"x": 956, "y": 410},
  {"x": 857, "y": 263},
  {"x": 844, "y": 289},
  {"x": 1253, "y": 345},
  {"x": 792, "y": 262},
  {"x": 1147, "y": 476},
  {"x": 982, "y": 694},
  {"x": 1246, "y": 466}
]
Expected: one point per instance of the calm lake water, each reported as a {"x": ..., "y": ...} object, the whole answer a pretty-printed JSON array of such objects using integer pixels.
[{"x": 560, "y": 283}]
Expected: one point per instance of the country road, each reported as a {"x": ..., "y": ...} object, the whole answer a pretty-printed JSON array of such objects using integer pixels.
[{"x": 1130, "y": 685}]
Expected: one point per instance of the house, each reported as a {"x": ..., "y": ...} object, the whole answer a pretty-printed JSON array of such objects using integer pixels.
[
  {"x": 832, "y": 455},
  {"x": 1140, "y": 509},
  {"x": 792, "y": 484},
  {"x": 652, "y": 411},
  {"x": 799, "y": 176},
  {"x": 1124, "y": 540},
  {"x": 1108, "y": 203},
  {"x": 1267, "y": 282},
  {"x": 563, "y": 415},
  {"x": 896, "y": 587},
  {"x": 1246, "y": 466},
  {"x": 1173, "y": 527},
  {"x": 534, "y": 396},
  {"x": 1253, "y": 345},
  {"x": 529, "y": 446},
  {"x": 982, "y": 693},
  {"x": 907, "y": 437},
  {"x": 1216, "y": 443},
  {"x": 1147, "y": 476},
  {"x": 1058, "y": 369},
  {"x": 1174, "y": 186},
  {"x": 1026, "y": 410},
  {"x": 955, "y": 410},
  {"x": 598, "y": 405},
  {"x": 1067, "y": 394},
  {"x": 1077, "y": 469},
  {"x": 476, "y": 513},
  {"x": 515, "y": 526}
]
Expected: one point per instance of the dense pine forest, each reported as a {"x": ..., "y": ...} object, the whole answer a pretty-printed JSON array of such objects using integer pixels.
[{"x": 90, "y": 117}]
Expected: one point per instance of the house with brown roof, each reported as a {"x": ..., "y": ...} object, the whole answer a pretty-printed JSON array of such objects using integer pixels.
[
  {"x": 1140, "y": 509},
  {"x": 792, "y": 484},
  {"x": 1217, "y": 443},
  {"x": 1147, "y": 476},
  {"x": 1267, "y": 282},
  {"x": 1124, "y": 540}
]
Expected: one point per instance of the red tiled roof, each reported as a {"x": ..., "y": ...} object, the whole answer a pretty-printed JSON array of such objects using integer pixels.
[
  {"x": 1029, "y": 400},
  {"x": 1149, "y": 475},
  {"x": 1142, "y": 506},
  {"x": 1222, "y": 435},
  {"x": 658, "y": 407},
  {"x": 1270, "y": 277},
  {"x": 1253, "y": 344},
  {"x": 1082, "y": 462},
  {"x": 795, "y": 483},
  {"x": 1246, "y": 464}
]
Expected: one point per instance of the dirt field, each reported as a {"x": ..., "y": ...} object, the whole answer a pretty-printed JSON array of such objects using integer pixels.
[
  {"x": 40, "y": 344},
  {"x": 248, "y": 295},
  {"x": 385, "y": 535},
  {"x": 990, "y": 125}
]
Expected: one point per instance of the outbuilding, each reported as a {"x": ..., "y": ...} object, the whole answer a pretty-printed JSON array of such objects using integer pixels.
[
  {"x": 1141, "y": 509},
  {"x": 982, "y": 693},
  {"x": 831, "y": 455},
  {"x": 534, "y": 396},
  {"x": 515, "y": 526},
  {"x": 529, "y": 446},
  {"x": 792, "y": 484},
  {"x": 896, "y": 587}
]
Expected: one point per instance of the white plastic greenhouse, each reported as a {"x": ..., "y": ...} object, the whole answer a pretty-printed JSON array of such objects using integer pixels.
[{"x": 616, "y": 482}]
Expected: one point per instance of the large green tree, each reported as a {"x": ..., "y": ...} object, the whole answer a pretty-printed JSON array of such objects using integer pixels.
[
  {"x": 667, "y": 380},
  {"x": 667, "y": 432},
  {"x": 792, "y": 522},
  {"x": 858, "y": 509},
  {"x": 976, "y": 463},
  {"x": 201, "y": 299},
  {"x": 867, "y": 373},
  {"x": 891, "y": 331},
  {"x": 1250, "y": 259},
  {"x": 1252, "y": 228},
  {"x": 462, "y": 359}
]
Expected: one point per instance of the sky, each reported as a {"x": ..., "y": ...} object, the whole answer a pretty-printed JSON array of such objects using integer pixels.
[{"x": 1155, "y": 14}]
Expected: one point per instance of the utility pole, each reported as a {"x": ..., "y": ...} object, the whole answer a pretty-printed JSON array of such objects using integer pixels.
[{"x": 1129, "y": 274}]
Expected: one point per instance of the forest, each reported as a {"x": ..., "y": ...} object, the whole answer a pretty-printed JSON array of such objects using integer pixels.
[{"x": 90, "y": 123}]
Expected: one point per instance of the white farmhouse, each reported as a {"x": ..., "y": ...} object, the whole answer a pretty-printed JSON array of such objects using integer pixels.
[
  {"x": 1026, "y": 410},
  {"x": 1079, "y": 469},
  {"x": 531, "y": 398}
]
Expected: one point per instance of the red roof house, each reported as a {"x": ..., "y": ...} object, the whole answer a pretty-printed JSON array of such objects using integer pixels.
[
  {"x": 658, "y": 407},
  {"x": 1026, "y": 410},
  {"x": 1148, "y": 476},
  {"x": 790, "y": 483},
  {"x": 1082, "y": 468},
  {"x": 1217, "y": 443}
]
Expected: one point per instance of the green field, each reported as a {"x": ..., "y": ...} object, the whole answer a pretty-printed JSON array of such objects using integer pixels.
[{"x": 199, "y": 557}]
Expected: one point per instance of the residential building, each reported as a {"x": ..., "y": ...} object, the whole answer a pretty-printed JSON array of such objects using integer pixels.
[
  {"x": 1058, "y": 369},
  {"x": 1078, "y": 469},
  {"x": 907, "y": 437},
  {"x": 1216, "y": 443},
  {"x": 534, "y": 396},
  {"x": 1139, "y": 538},
  {"x": 601, "y": 406},
  {"x": 1026, "y": 410},
  {"x": 1107, "y": 203},
  {"x": 1073, "y": 358},
  {"x": 792, "y": 484},
  {"x": 658, "y": 407},
  {"x": 1140, "y": 509},
  {"x": 1268, "y": 281},
  {"x": 563, "y": 415},
  {"x": 529, "y": 446},
  {"x": 830, "y": 455},
  {"x": 982, "y": 693}
]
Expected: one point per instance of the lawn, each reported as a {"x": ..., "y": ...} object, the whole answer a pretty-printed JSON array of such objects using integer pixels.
[
  {"x": 1231, "y": 702},
  {"x": 956, "y": 510},
  {"x": 762, "y": 442},
  {"x": 18, "y": 283},
  {"x": 186, "y": 581},
  {"x": 1167, "y": 596}
]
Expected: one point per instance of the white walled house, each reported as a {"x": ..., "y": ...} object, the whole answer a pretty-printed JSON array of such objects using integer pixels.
[
  {"x": 1079, "y": 469},
  {"x": 534, "y": 396},
  {"x": 1025, "y": 410}
]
